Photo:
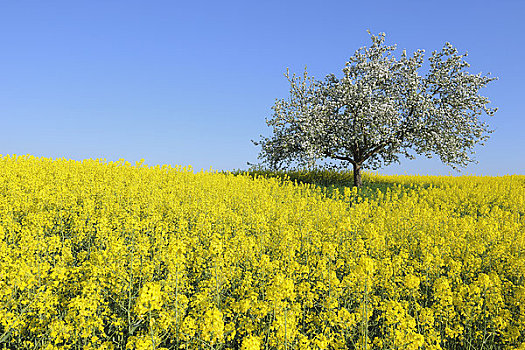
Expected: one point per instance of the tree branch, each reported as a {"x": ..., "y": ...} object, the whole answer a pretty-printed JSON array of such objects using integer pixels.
[
  {"x": 376, "y": 149},
  {"x": 335, "y": 156},
  {"x": 398, "y": 135}
]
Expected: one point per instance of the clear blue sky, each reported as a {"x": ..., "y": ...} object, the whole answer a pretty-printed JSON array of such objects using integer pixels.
[{"x": 190, "y": 83}]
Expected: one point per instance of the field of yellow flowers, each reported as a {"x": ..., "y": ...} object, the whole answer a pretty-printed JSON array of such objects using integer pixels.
[{"x": 106, "y": 255}]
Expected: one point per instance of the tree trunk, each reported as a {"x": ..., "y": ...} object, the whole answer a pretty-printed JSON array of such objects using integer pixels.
[{"x": 358, "y": 182}]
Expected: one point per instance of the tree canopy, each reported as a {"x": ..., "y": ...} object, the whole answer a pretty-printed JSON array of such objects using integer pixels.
[{"x": 379, "y": 109}]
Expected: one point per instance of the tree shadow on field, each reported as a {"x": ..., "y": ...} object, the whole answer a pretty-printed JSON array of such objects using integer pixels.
[{"x": 330, "y": 180}]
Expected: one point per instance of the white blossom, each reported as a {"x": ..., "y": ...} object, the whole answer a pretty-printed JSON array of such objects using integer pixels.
[{"x": 378, "y": 109}]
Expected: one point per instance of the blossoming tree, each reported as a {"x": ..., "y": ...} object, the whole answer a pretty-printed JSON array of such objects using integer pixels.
[{"x": 379, "y": 109}]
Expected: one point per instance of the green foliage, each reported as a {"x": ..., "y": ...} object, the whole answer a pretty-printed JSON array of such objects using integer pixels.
[{"x": 328, "y": 180}]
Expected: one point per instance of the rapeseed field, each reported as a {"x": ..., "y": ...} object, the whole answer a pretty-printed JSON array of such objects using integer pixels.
[{"x": 106, "y": 255}]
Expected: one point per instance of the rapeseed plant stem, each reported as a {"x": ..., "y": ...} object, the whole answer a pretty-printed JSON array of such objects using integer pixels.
[
  {"x": 151, "y": 329},
  {"x": 177, "y": 323},
  {"x": 217, "y": 300}
]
